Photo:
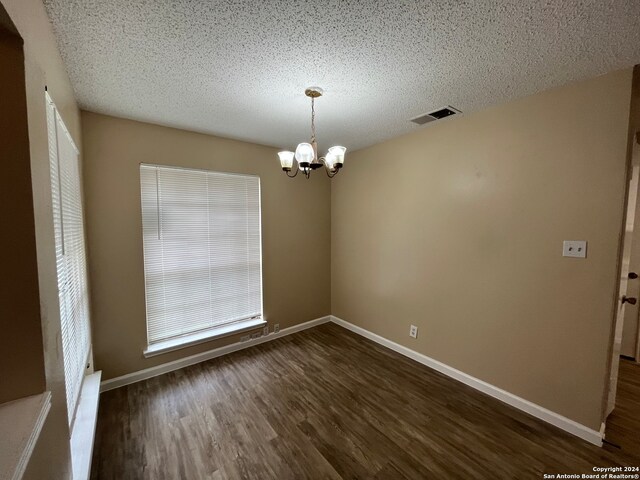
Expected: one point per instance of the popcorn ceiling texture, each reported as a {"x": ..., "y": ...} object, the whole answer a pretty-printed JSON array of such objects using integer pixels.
[{"x": 239, "y": 68}]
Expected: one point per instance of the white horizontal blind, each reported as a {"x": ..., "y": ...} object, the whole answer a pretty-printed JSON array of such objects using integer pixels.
[
  {"x": 71, "y": 263},
  {"x": 202, "y": 250}
]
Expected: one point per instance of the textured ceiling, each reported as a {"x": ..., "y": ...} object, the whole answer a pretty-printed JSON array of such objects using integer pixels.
[{"x": 239, "y": 68}]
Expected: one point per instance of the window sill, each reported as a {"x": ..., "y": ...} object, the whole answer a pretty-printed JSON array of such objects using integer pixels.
[
  {"x": 21, "y": 422},
  {"x": 84, "y": 426},
  {"x": 201, "y": 337}
]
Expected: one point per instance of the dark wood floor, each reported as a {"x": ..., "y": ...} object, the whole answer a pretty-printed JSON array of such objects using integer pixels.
[
  {"x": 325, "y": 403},
  {"x": 623, "y": 425}
]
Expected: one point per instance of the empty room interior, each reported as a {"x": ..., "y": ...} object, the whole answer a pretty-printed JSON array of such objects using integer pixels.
[{"x": 295, "y": 239}]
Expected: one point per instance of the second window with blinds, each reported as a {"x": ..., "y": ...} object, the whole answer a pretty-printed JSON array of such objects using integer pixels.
[{"x": 202, "y": 255}]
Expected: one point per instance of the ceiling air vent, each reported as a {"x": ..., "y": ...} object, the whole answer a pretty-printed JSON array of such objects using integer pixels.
[{"x": 435, "y": 115}]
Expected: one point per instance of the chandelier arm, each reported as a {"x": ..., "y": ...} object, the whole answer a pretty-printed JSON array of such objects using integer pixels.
[
  {"x": 330, "y": 175},
  {"x": 297, "y": 170},
  {"x": 327, "y": 169}
]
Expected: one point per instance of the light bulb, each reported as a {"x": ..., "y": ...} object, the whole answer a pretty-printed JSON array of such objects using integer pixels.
[
  {"x": 286, "y": 160},
  {"x": 305, "y": 154}
]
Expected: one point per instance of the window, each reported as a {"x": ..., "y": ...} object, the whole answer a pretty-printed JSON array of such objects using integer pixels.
[
  {"x": 202, "y": 255},
  {"x": 68, "y": 224}
]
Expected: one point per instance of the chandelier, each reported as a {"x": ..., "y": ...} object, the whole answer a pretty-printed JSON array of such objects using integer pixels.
[{"x": 306, "y": 154}]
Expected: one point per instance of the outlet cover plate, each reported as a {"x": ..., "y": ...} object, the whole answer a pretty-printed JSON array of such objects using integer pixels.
[
  {"x": 413, "y": 331},
  {"x": 574, "y": 248}
]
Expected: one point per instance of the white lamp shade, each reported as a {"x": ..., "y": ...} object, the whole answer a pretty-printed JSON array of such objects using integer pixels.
[
  {"x": 304, "y": 154},
  {"x": 286, "y": 159},
  {"x": 330, "y": 160},
  {"x": 337, "y": 153}
]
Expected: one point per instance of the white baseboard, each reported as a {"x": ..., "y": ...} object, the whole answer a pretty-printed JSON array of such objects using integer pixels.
[
  {"x": 564, "y": 423},
  {"x": 201, "y": 357}
]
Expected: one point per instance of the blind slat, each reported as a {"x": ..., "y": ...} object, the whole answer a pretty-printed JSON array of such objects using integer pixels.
[{"x": 202, "y": 252}]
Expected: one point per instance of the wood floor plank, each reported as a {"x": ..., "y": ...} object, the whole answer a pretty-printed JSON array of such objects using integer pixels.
[{"x": 327, "y": 404}]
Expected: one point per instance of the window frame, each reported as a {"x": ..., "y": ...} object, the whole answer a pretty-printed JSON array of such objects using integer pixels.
[
  {"x": 216, "y": 331},
  {"x": 77, "y": 358}
]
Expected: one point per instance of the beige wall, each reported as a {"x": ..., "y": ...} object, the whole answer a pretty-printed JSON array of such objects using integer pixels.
[
  {"x": 22, "y": 360},
  {"x": 295, "y": 236},
  {"x": 43, "y": 66},
  {"x": 458, "y": 228}
]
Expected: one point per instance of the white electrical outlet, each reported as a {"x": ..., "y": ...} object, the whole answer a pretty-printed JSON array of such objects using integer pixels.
[
  {"x": 265, "y": 330},
  {"x": 276, "y": 328},
  {"x": 413, "y": 331},
  {"x": 245, "y": 338}
]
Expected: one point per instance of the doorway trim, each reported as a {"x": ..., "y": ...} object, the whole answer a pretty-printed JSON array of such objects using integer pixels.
[{"x": 632, "y": 134}]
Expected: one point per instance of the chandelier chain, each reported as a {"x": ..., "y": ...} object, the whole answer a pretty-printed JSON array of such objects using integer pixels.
[{"x": 313, "y": 120}]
